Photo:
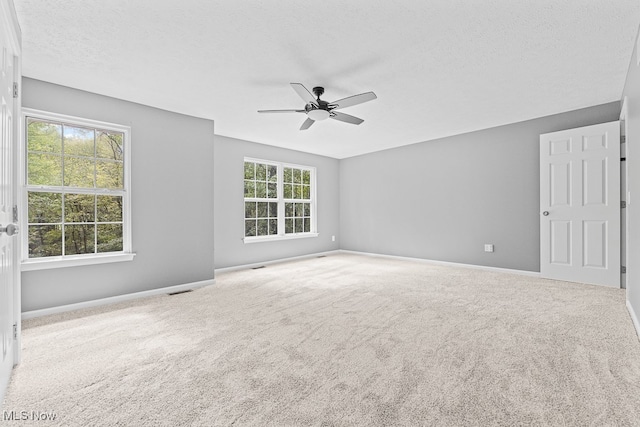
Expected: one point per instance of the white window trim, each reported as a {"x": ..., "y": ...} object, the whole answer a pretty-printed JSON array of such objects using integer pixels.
[
  {"x": 29, "y": 264},
  {"x": 74, "y": 261},
  {"x": 281, "y": 201}
]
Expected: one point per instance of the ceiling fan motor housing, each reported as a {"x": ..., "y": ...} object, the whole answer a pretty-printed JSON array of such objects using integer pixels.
[{"x": 321, "y": 109}]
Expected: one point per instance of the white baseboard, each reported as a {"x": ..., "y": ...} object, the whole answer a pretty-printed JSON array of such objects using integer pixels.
[
  {"x": 634, "y": 318},
  {"x": 119, "y": 298},
  {"x": 277, "y": 261},
  {"x": 447, "y": 263}
]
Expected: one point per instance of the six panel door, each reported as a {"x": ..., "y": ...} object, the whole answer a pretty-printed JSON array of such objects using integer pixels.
[{"x": 580, "y": 205}]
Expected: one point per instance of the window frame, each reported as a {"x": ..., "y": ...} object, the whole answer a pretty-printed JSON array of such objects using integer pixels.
[
  {"x": 126, "y": 254},
  {"x": 280, "y": 200}
]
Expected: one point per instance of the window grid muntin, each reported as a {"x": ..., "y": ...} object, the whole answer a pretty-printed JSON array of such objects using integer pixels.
[{"x": 95, "y": 191}]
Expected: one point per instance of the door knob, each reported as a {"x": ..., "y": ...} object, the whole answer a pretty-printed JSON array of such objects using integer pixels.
[
  {"x": 10, "y": 229},
  {"x": 545, "y": 213}
]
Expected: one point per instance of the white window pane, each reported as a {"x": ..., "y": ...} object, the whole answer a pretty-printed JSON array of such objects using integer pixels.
[
  {"x": 250, "y": 227},
  {"x": 250, "y": 210},
  {"x": 78, "y": 141},
  {"x": 44, "y": 207},
  {"x": 78, "y": 172},
  {"x": 109, "y": 208},
  {"x": 272, "y": 173},
  {"x": 45, "y": 240},
  {"x": 109, "y": 238},
  {"x": 43, "y": 136},
  {"x": 273, "y": 226},
  {"x": 261, "y": 190},
  {"x": 263, "y": 227},
  {"x": 110, "y": 145},
  {"x": 79, "y": 239},
  {"x": 79, "y": 207},
  {"x": 109, "y": 174},
  {"x": 249, "y": 189},
  {"x": 44, "y": 169},
  {"x": 249, "y": 170},
  {"x": 261, "y": 172},
  {"x": 263, "y": 210},
  {"x": 288, "y": 175}
]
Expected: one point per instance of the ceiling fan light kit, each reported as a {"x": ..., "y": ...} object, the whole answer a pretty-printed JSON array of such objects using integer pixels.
[{"x": 317, "y": 109}]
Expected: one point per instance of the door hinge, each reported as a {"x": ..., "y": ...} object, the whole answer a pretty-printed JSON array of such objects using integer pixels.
[
  {"x": 15, "y": 214},
  {"x": 15, "y": 331},
  {"x": 623, "y": 204},
  {"x": 623, "y": 269},
  {"x": 15, "y": 89}
]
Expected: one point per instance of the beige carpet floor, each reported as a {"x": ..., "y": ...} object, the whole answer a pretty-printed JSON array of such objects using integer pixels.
[{"x": 341, "y": 340}]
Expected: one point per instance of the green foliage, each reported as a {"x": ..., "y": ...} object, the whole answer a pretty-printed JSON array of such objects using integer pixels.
[
  {"x": 250, "y": 210},
  {"x": 109, "y": 174},
  {"x": 109, "y": 209},
  {"x": 45, "y": 240},
  {"x": 79, "y": 141},
  {"x": 261, "y": 181},
  {"x": 79, "y": 239},
  {"x": 249, "y": 170},
  {"x": 109, "y": 145},
  {"x": 73, "y": 157},
  {"x": 44, "y": 169},
  {"x": 250, "y": 227},
  {"x": 249, "y": 189},
  {"x": 273, "y": 173},
  {"x": 109, "y": 238},
  {"x": 44, "y": 207},
  {"x": 44, "y": 137},
  {"x": 297, "y": 217}
]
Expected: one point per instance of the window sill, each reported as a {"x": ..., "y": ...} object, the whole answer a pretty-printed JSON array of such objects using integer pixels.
[
  {"x": 44, "y": 264},
  {"x": 278, "y": 237}
]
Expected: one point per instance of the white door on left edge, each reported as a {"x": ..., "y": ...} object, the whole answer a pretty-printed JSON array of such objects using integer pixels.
[
  {"x": 8, "y": 240},
  {"x": 580, "y": 205}
]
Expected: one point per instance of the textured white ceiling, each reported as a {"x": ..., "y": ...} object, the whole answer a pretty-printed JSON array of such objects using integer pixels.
[{"x": 439, "y": 68}]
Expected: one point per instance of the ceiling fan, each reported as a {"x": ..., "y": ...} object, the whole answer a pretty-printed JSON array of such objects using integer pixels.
[{"x": 316, "y": 109}]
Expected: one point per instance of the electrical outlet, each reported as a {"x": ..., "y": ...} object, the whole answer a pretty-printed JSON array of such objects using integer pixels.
[
  {"x": 333, "y": 238},
  {"x": 488, "y": 248}
]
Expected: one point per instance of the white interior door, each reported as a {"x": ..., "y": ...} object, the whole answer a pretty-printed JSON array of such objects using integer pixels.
[
  {"x": 8, "y": 241},
  {"x": 580, "y": 205}
]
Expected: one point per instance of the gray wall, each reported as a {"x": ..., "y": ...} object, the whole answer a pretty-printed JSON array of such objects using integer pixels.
[
  {"x": 444, "y": 199},
  {"x": 632, "y": 92},
  {"x": 228, "y": 169},
  {"x": 172, "y": 201}
]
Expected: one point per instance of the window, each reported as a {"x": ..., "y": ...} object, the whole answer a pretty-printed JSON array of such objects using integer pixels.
[
  {"x": 279, "y": 200},
  {"x": 76, "y": 189}
]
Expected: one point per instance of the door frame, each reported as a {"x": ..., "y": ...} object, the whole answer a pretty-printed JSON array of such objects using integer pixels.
[{"x": 624, "y": 184}]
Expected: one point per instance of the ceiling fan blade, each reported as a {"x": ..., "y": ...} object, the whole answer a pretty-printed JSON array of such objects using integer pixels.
[
  {"x": 304, "y": 93},
  {"x": 354, "y": 100},
  {"x": 307, "y": 124},
  {"x": 346, "y": 118},
  {"x": 281, "y": 111}
]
